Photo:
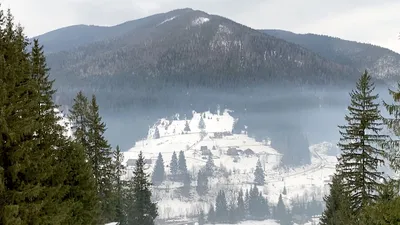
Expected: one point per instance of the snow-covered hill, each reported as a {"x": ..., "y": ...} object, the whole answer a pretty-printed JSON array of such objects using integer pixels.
[{"x": 301, "y": 183}]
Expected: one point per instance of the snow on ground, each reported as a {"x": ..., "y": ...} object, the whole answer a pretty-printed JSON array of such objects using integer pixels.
[
  {"x": 301, "y": 183},
  {"x": 200, "y": 21},
  {"x": 167, "y": 20},
  {"x": 255, "y": 222}
]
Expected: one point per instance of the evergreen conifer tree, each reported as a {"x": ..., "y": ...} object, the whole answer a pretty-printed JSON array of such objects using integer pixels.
[
  {"x": 361, "y": 145},
  {"x": 241, "y": 210},
  {"x": 182, "y": 168},
  {"x": 141, "y": 209},
  {"x": 202, "y": 125},
  {"x": 100, "y": 154},
  {"x": 187, "y": 127},
  {"x": 280, "y": 212},
  {"x": 186, "y": 184},
  {"x": 118, "y": 158},
  {"x": 337, "y": 205},
  {"x": 202, "y": 183},
  {"x": 173, "y": 165},
  {"x": 209, "y": 169},
  {"x": 284, "y": 192},
  {"x": 158, "y": 175},
  {"x": 221, "y": 208},
  {"x": 392, "y": 123},
  {"x": 247, "y": 203},
  {"x": 232, "y": 216},
  {"x": 259, "y": 177}
]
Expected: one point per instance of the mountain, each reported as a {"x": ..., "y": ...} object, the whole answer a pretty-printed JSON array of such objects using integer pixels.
[
  {"x": 185, "y": 47},
  {"x": 381, "y": 62}
]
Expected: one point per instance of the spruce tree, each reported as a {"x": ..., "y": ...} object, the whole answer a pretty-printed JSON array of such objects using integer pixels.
[
  {"x": 221, "y": 208},
  {"x": 393, "y": 124},
  {"x": 141, "y": 209},
  {"x": 119, "y": 168},
  {"x": 259, "y": 177},
  {"x": 100, "y": 154},
  {"x": 202, "y": 183},
  {"x": 232, "y": 216},
  {"x": 361, "y": 145},
  {"x": 284, "y": 192},
  {"x": 88, "y": 130},
  {"x": 241, "y": 210},
  {"x": 247, "y": 203},
  {"x": 209, "y": 169},
  {"x": 81, "y": 186},
  {"x": 280, "y": 211},
  {"x": 173, "y": 165},
  {"x": 337, "y": 205},
  {"x": 187, "y": 127},
  {"x": 78, "y": 116},
  {"x": 187, "y": 180},
  {"x": 158, "y": 175},
  {"x": 182, "y": 168},
  {"x": 202, "y": 125}
]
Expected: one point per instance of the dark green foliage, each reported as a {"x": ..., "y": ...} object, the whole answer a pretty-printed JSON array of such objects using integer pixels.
[
  {"x": 187, "y": 180},
  {"x": 247, "y": 203},
  {"x": 89, "y": 132},
  {"x": 392, "y": 124},
  {"x": 232, "y": 216},
  {"x": 259, "y": 177},
  {"x": 202, "y": 183},
  {"x": 281, "y": 213},
  {"x": 337, "y": 205},
  {"x": 173, "y": 165},
  {"x": 209, "y": 168},
  {"x": 44, "y": 178},
  {"x": 119, "y": 168},
  {"x": 141, "y": 210},
  {"x": 202, "y": 125},
  {"x": 211, "y": 215},
  {"x": 158, "y": 175},
  {"x": 202, "y": 219},
  {"x": 361, "y": 145},
  {"x": 187, "y": 127},
  {"x": 241, "y": 210},
  {"x": 258, "y": 205},
  {"x": 387, "y": 208},
  {"x": 182, "y": 168},
  {"x": 221, "y": 208},
  {"x": 82, "y": 187}
]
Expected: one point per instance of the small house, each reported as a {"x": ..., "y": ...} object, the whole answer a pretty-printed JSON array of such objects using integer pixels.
[
  {"x": 131, "y": 162},
  {"x": 232, "y": 152},
  {"x": 248, "y": 152}
]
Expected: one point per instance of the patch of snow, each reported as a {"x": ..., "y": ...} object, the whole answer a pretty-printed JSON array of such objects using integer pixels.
[
  {"x": 200, "y": 20},
  {"x": 167, "y": 20}
]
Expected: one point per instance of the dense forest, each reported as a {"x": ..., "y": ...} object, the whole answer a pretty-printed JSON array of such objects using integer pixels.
[{"x": 48, "y": 178}]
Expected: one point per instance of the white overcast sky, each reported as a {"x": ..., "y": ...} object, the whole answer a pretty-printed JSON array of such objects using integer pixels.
[{"x": 371, "y": 21}]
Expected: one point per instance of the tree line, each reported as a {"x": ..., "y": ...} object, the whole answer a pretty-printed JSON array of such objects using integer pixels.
[{"x": 45, "y": 176}]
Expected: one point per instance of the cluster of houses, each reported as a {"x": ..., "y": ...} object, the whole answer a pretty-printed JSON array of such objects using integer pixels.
[{"x": 232, "y": 151}]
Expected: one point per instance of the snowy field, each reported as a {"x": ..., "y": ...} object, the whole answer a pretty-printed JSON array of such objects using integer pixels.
[{"x": 301, "y": 183}]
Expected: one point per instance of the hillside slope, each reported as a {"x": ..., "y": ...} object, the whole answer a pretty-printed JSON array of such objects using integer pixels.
[
  {"x": 191, "y": 48},
  {"x": 381, "y": 62}
]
